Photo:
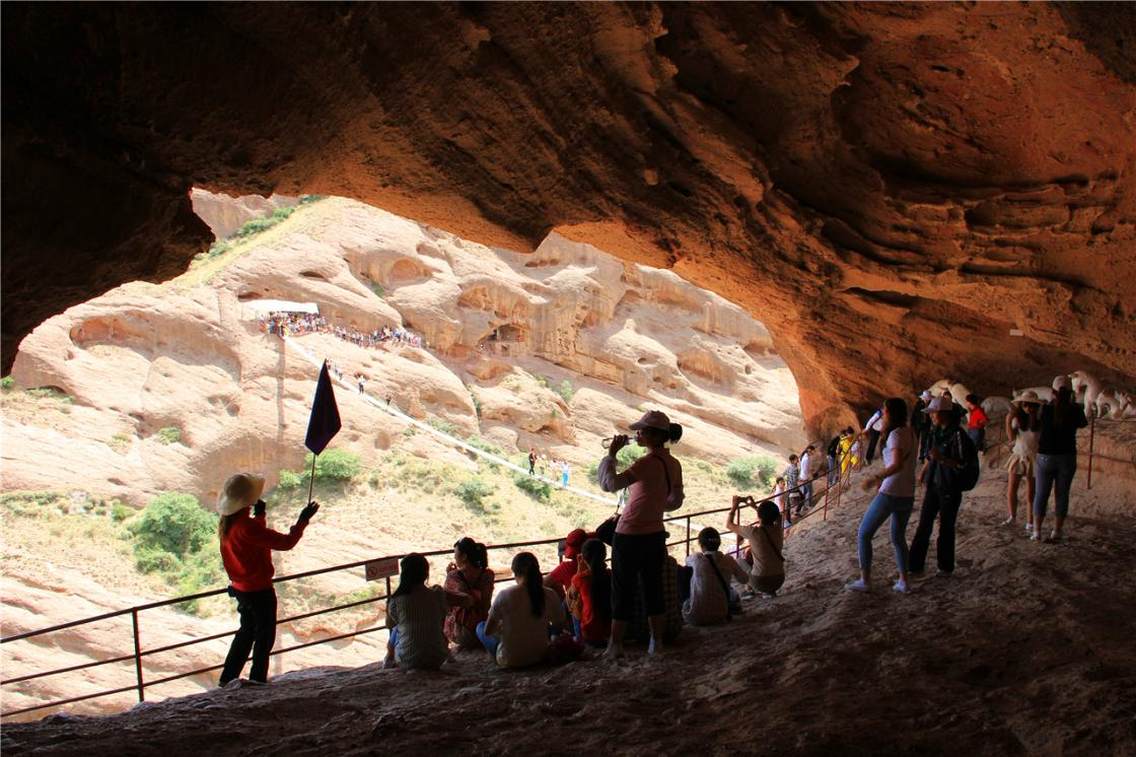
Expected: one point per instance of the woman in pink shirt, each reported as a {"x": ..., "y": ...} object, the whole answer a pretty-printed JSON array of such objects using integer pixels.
[{"x": 639, "y": 547}]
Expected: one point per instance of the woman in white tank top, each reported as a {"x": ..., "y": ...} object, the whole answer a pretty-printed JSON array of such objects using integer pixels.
[{"x": 1023, "y": 428}]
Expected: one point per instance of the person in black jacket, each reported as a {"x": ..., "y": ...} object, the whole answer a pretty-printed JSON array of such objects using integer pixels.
[
  {"x": 1056, "y": 459},
  {"x": 942, "y": 496}
]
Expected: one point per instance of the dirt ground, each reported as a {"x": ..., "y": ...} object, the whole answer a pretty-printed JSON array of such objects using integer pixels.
[{"x": 1027, "y": 649}]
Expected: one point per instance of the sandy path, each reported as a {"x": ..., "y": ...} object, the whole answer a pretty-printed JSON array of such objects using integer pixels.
[{"x": 1027, "y": 649}]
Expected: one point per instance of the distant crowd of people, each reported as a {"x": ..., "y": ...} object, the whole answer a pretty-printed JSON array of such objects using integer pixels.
[
  {"x": 541, "y": 464},
  {"x": 644, "y": 593},
  {"x": 298, "y": 324}
]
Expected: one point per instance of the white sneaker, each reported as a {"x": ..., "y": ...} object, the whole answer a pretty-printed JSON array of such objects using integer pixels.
[
  {"x": 1008, "y": 522},
  {"x": 900, "y": 586},
  {"x": 1034, "y": 536},
  {"x": 858, "y": 585}
]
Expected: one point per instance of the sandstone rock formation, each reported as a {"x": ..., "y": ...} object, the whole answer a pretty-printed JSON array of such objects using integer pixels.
[
  {"x": 225, "y": 215},
  {"x": 504, "y": 330},
  {"x": 893, "y": 187}
]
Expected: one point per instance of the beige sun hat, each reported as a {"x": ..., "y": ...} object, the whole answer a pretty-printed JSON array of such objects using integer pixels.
[
  {"x": 656, "y": 419},
  {"x": 1030, "y": 397},
  {"x": 939, "y": 405},
  {"x": 241, "y": 490}
]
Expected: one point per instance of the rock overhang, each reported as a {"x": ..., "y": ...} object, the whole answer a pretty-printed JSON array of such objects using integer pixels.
[{"x": 896, "y": 187}]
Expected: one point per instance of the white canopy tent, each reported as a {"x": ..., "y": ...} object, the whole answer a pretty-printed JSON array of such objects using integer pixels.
[{"x": 260, "y": 308}]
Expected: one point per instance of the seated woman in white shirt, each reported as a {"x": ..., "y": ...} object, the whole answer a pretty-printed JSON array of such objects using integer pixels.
[
  {"x": 522, "y": 617},
  {"x": 710, "y": 592}
]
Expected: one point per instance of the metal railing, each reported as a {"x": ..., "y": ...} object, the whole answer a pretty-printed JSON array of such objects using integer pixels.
[{"x": 831, "y": 498}]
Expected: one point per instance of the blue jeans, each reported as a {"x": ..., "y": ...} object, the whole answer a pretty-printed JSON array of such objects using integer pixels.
[
  {"x": 978, "y": 436},
  {"x": 490, "y": 642},
  {"x": 1053, "y": 471},
  {"x": 807, "y": 493},
  {"x": 833, "y": 471},
  {"x": 883, "y": 506}
]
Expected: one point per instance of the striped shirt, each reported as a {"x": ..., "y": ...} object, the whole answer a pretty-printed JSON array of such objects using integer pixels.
[{"x": 418, "y": 616}]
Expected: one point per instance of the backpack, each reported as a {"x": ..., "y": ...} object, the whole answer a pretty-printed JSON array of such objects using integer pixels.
[{"x": 966, "y": 477}]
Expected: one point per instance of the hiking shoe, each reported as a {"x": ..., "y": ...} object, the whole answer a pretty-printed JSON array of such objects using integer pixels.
[
  {"x": 1008, "y": 522},
  {"x": 900, "y": 586},
  {"x": 1034, "y": 536},
  {"x": 858, "y": 585}
]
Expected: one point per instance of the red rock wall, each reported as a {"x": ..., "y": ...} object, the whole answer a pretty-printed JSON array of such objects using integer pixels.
[{"x": 903, "y": 184}]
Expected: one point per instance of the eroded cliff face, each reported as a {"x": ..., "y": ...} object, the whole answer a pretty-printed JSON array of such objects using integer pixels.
[{"x": 897, "y": 187}]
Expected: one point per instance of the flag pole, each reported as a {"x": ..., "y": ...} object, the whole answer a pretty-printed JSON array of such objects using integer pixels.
[{"x": 312, "y": 477}]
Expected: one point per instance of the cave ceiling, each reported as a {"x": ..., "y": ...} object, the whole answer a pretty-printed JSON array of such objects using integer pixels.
[{"x": 891, "y": 188}]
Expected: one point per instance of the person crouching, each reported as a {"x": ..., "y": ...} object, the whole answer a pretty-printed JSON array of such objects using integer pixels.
[{"x": 246, "y": 551}]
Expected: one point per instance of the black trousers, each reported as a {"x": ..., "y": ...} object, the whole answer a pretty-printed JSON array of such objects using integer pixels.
[
  {"x": 945, "y": 507},
  {"x": 633, "y": 555},
  {"x": 257, "y": 633},
  {"x": 873, "y": 440}
]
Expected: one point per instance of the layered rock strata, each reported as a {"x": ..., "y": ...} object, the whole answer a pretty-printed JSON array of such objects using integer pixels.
[{"x": 896, "y": 188}]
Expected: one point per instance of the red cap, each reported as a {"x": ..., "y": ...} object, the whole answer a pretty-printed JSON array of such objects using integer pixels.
[{"x": 574, "y": 541}]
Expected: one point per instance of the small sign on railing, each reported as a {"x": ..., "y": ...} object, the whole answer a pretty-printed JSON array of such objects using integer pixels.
[{"x": 385, "y": 568}]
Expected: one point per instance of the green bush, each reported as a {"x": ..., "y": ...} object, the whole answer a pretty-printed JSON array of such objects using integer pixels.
[
  {"x": 484, "y": 446},
  {"x": 289, "y": 480},
  {"x": 444, "y": 426},
  {"x": 566, "y": 391},
  {"x": 7, "y": 383},
  {"x": 629, "y": 454},
  {"x": 153, "y": 560},
  {"x": 542, "y": 381},
  {"x": 218, "y": 249},
  {"x": 119, "y": 512},
  {"x": 169, "y": 435},
  {"x": 51, "y": 393},
  {"x": 533, "y": 487},
  {"x": 173, "y": 522},
  {"x": 752, "y": 471},
  {"x": 281, "y": 213},
  {"x": 473, "y": 491},
  {"x": 334, "y": 465},
  {"x": 377, "y": 288},
  {"x": 308, "y": 199}
]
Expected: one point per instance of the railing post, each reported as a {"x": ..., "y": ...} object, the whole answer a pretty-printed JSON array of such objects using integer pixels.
[
  {"x": 388, "y": 587},
  {"x": 1092, "y": 438},
  {"x": 688, "y": 536},
  {"x": 138, "y": 656},
  {"x": 827, "y": 489}
]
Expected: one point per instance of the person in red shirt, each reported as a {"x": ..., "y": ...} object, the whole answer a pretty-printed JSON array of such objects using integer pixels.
[
  {"x": 561, "y": 576},
  {"x": 976, "y": 421},
  {"x": 589, "y": 596},
  {"x": 246, "y": 550}
]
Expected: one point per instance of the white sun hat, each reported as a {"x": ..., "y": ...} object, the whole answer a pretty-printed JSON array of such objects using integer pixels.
[
  {"x": 656, "y": 419},
  {"x": 241, "y": 490},
  {"x": 939, "y": 405}
]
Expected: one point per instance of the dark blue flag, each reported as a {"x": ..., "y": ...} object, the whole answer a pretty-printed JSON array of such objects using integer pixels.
[{"x": 324, "y": 423}]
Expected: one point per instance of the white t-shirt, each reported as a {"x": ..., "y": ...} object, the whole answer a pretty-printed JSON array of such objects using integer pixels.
[
  {"x": 805, "y": 462},
  {"x": 708, "y": 603},
  {"x": 875, "y": 423},
  {"x": 523, "y": 636},
  {"x": 900, "y": 441}
]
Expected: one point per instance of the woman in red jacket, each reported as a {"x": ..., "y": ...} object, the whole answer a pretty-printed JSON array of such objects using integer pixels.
[{"x": 246, "y": 550}]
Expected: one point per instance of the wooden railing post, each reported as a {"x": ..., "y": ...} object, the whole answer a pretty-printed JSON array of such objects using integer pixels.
[
  {"x": 138, "y": 656},
  {"x": 688, "y": 536}
]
